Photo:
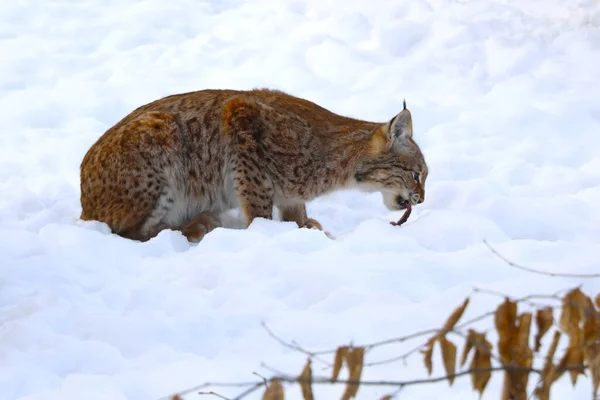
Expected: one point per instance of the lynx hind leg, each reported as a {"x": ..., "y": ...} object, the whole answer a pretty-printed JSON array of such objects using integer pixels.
[
  {"x": 244, "y": 127},
  {"x": 122, "y": 175},
  {"x": 297, "y": 214},
  {"x": 255, "y": 195}
]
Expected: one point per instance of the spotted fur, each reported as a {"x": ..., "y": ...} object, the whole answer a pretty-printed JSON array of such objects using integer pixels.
[{"x": 178, "y": 162}]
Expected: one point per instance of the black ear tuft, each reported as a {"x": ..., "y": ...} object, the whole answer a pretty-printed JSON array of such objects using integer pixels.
[{"x": 404, "y": 104}]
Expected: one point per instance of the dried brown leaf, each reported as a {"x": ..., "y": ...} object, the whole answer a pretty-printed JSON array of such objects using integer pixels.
[
  {"x": 543, "y": 321},
  {"x": 591, "y": 324},
  {"x": 506, "y": 315},
  {"x": 388, "y": 397},
  {"x": 482, "y": 359},
  {"x": 517, "y": 352},
  {"x": 455, "y": 316},
  {"x": 469, "y": 342},
  {"x": 598, "y": 300},
  {"x": 524, "y": 354},
  {"x": 176, "y": 397},
  {"x": 449, "y": 357},
  {"x": 505, "y": 319},
  {"x": 427, "y": 352},
  {"x": 573, "y": 358},
  {"x": 553, "y": 347},
  {"x": 578, "y": 309},
  {"x": 306, "y": 380},
  {"x": 355, "y": 360},
  {"x": 340, "y": 358},
  {"x": 274, "y": 391},
  {"x": 573, "y": 306},
  {"x": 591, "y": 343},
  {"x": 594, "y": 367},
  {"x": 542, "y": 392},
  {"x": 550, "y": 372}
]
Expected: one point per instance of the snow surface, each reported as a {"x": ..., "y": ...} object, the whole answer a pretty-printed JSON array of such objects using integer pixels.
[{"x": 504, "y": 96}]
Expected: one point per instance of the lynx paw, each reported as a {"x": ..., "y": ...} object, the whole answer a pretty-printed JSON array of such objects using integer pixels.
[
  {"x": 198, "y": 227},
  {"x": 312, "y": 223}
]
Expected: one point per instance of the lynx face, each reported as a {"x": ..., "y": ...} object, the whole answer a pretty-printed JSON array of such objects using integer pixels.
[{"x": 398, "y": 170}]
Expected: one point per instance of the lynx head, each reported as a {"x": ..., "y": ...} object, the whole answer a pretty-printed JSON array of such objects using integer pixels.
[{"x": 395, "y": 166}]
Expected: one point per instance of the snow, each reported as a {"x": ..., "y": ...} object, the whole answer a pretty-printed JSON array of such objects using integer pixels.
[{"x": 504, "y": 96}]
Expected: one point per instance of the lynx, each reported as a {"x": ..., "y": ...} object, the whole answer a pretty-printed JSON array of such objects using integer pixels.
[{"x": 179, "y": 162}]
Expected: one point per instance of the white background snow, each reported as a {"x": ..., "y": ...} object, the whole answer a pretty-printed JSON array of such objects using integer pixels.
[{"x": 506, "y": 107}]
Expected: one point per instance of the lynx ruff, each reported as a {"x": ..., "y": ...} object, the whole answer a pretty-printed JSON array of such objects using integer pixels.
[{"x": 179, "y": 162}]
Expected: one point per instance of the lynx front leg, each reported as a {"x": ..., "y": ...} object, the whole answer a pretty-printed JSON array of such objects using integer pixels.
[{"x": 297, "y": 214}]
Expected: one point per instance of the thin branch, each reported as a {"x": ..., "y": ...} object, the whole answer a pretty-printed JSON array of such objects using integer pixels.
[
  {"x": 265, "y": 381},
  {"x": 401, "y": 357},
  {"x": 198, "y": 388},
  {"x": 327, "y": 380},
  {"x": 401, "y": 339},
  {"x": 248, "y": 391},
  {"x": 537, "y": 271},
  {"x": 186, "y": 391},
  {"x": 322, "y": 380},
  {"x": 211, "y": 393},
  {"x": 293, "y": 346},
  {"x": 273, "y": 370}
]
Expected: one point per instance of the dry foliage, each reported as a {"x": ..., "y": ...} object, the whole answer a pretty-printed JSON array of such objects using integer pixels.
[
  {"x": 341, "y": 355},
  {"x": 355, "y": 362},
  {"x": 306, "y": 381},
  {"x": 448, "y": 348},
  {"x": 274, "y": 391},
  {"x": 482, "y": 359},
  {"x": 514, "y": 352},
  {"x": 579, "y": 321},
  {"x": 543, "y": 320}
]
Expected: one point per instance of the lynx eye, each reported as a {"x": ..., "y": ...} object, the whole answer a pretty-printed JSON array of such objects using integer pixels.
[{"x": 417, "y": 177}]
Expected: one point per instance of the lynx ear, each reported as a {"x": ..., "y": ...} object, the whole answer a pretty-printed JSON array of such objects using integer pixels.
[
  {"x": 400, "y": 127},
  {"x": 393, "y": 133}
]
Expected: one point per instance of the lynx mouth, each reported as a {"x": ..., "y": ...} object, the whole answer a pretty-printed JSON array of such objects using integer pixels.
[{"x": 402, "y": 204}]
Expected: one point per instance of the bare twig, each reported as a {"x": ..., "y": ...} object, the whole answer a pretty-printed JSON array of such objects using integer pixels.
[
  {"x": 400, "y": 339},
  {"x": 537, "y": 271},
  {"x": 426, "y": 333},
  {"x": 206, "y": 385},
  {"x": 211, "y": 393},
  {"x": 322, "y": 380},
  {"x": 401, "y": 357},
  {"x": 293, "y": 346},
  {"x": 248, "y": 391},
  {"x": 273, "y": 370},
  {"x": 265, "y": 381},
  {"x": 327, "y": 380}
]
